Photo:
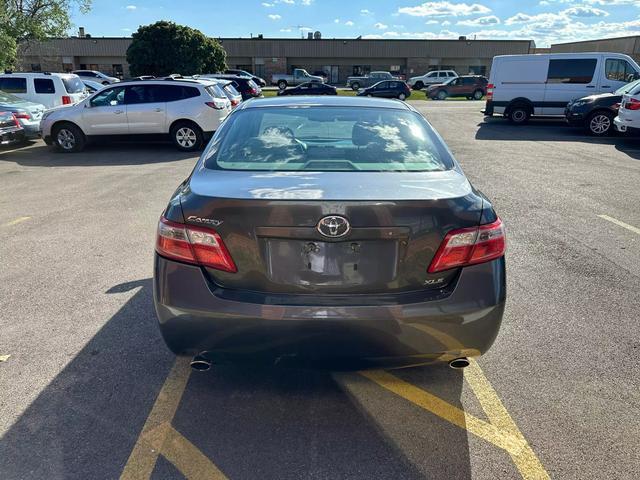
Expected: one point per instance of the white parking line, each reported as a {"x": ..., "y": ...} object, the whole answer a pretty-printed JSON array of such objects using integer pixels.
[{"x": 620, "y": 223}]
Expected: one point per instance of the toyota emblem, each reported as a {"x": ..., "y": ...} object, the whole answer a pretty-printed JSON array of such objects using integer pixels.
[{"x": 333, "y": 226}]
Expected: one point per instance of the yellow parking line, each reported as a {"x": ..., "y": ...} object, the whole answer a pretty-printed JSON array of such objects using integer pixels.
[
  {"x": 620, "y": 223},
  {"x": 16, "y": 221}
]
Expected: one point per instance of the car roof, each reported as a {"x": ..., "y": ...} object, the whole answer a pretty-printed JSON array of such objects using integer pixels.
[
  {"x": 39, "y": 74},
  {"x": 324, "y": 101}
]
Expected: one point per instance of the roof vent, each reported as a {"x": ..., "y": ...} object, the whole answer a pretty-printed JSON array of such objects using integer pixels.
[
  {"x": 81, "y": 32},
  {"x": 317, "y": 35},
  {"x": 462, "y": 37},
  {"x": 309, "y": 35}
]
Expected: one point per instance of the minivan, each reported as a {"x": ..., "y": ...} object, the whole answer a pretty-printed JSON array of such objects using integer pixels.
[
  {"x": 48, "y": 89},
  {"x": 524, "y": 85}
]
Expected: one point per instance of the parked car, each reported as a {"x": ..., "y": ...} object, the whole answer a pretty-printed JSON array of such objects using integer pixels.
[
  {"x": 96, "y": 76},
  {"x": 356, "y": 83},
  {"x": 10, "y": 129},
  {"x": 27, "y": 113},
  {"x": 628, "y": 119},
  {"x": 186, "y": 111},
  {"x": 322, "y": 74},
  {"x": 247, "y": 87},
  {"x": 430, "y": 78},
  {"x": 300, "y": 75},
  {"x": 48, "y": 89},
  {"x": 92, "y": 86},
  {"x": 310, "y": 88},
  {"x": 259, "y": 81},
  {"x": 473, "y": 87},
  {"x": 595, "y": 113},
  {"x": 230, "y": 91},
  {"x": 294, "y": 239},
  {"x": 524, "y": 85},
  {"x": 387, "y": 89}
]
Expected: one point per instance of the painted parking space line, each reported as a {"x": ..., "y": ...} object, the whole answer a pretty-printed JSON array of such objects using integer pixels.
[
  {"x": 16, "y": 221},
  {"x": 158, "y": 437},
  {"x": 620, "y": 223}
]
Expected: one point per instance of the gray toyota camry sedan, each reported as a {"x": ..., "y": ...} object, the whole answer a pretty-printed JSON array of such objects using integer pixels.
[{"x": 337, "y": 231}]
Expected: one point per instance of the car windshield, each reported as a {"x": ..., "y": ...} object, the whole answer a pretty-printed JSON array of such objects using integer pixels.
[
  {"x": 447, "y": 82},
  {"x": 73, "y": 84},
  {"x": 327, "y": 139},
  {"x": 8, "y": 98},
  {"x": 627, "y": 88}
]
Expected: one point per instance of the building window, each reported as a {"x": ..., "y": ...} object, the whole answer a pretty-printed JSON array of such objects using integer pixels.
[
  {"x": 478, "y": 70},
  {"x": 359, "y": 70},
  {"x": 35, "y": 67},
  {"x": 67, "y": 67},
  {"x": 117, "y": 70},
  {"x": 394, "y": 69}
]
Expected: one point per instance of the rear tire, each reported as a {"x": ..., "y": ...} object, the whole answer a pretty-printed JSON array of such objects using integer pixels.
[
  {"x": 600, "y": 124},
  {"x": 478, "y": 94},
  {"x": 519, "y": 114},
  {"x": 442, "y": 95},
  {"x": 402, "y": 97},
  {"x": 187, "y": 136},
  {"x": 282, "y": 84},
  {"x": 418, "y": 86},
  {"x": 355, "y": 86},
  {"x": 68, "y": 138}
]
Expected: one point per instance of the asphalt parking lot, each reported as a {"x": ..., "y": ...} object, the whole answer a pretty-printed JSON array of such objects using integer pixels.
[{"x": 90, "y": 391}]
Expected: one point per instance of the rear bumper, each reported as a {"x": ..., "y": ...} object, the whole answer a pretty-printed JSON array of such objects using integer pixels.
[
  {"x": 625, "y": 127},
  {"x": 9, "y": 137},
  {"x": 194, "y": 317}
]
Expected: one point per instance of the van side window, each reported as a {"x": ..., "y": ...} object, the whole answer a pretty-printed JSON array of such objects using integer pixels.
[
  {"x": 44, "y": 85},
  {"x": 620, "y": 70},
  {"x": 578, "y": 70},
  {"x": 13, "y": 84}
]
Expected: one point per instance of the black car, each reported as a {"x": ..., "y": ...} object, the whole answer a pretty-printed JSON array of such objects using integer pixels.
[
  {"x": 595, "y": 113},
  {"x": 387, "y": 89},
  {"x": 10, "y": 129},
  {"x": 245, "y": 85},
  {"x": 244, "y": 73},
  {"x": 310, "y": 88}
]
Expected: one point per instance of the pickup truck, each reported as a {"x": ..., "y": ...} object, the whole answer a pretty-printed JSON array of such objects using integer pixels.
[
  {"x": 300, "y": 75},
  {"x": 374, "y": 77}
]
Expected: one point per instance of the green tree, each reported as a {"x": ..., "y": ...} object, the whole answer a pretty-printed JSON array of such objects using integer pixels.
[
  {"x": 164, "y": 48},
  {"x": 23, "y": 20}
]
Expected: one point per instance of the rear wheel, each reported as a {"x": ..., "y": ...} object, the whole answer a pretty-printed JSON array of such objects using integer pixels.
[
  {"x": 402, "y": 96},
  {"x": 355, "y": 86},
  {"x": 478, "y": 94},
  {"x": 282, "y": 84},
  {"x": 418, "y": 86},
  {"x": 442, "y": 95},
  {"x": 600, "y": 124},
  {"x": 519, "y": 114},
  {"x": 187, "y": 136},
  {"x": 68, "y": 138}
]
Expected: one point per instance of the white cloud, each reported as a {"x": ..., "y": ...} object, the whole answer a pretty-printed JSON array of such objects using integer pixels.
[
  {"x": 337, "y": 20},
  {"x": 432, "y": 22},
  {"x": 443, "y": 34},
  {"x": 306, "y": 3},
  {"x": 131, "y": 7},
  {"x": 381, "y": 26},
  {"x": 480, "y": 21},
  {"x": 585, "y": 11},
  {"x": 349, "y": 23},
  {"x": 285, "y": 30},
  {"x": 274, "y": 16},
  {"x": 364, "y": 11},
  {"x": 268, "y": 5},
  {"x": 445, "y": 9},
  {"x": 446, "y": 23}
]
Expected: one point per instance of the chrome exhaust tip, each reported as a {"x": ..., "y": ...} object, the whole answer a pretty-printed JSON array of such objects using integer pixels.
[
  {"x": 200, "y": 363},
  {"x": 459, "y": 363}
]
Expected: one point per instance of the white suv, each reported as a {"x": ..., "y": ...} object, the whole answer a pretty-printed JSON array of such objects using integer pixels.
[
  {"x": 628, "y": 119},
  {"x": 187, "y": 111},
  {"x": 436, "y": 76},
  {"x": 48, "y": 89},
  {"x": 96, "y": 76}
]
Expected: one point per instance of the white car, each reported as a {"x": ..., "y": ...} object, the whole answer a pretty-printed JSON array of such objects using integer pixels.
[
  {"x": 48, "y": 89},
  {"x": 628, "y": 119},
  {"x": 227, "y": 88},
  {"x": 186, "y": 111},
  {"x": 521, "y": 86},
  {"x": 96, "y": 76},
  {"x": 430, "y": 78}
]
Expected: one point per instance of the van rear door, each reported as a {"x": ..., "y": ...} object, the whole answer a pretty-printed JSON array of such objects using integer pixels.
[{"x": 569, "y": 78}]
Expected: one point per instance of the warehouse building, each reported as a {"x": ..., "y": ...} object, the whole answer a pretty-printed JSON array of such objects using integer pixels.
[
  {"x": 626, "y": 45},
  {"x": 338, "y": 58}
]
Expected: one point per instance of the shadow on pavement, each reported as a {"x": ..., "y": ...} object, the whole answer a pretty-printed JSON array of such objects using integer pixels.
[
  {"x": 259, "y": 422},
  {"x": 37, "y": 154}
]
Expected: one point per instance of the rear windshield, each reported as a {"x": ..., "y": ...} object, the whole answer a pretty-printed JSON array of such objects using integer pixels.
[
  {"x": 327, "y": 139},
  {"x": 230, "y": 89},
  {"x": 215, "y": 91},
  {"x": 73, "y": 84}
]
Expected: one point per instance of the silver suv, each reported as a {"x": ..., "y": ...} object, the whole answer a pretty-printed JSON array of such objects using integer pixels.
[{"x": 186, "y": 111}]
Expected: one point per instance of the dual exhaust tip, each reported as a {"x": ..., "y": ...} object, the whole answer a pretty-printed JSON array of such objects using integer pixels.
[{"x": 202, "y": 364}]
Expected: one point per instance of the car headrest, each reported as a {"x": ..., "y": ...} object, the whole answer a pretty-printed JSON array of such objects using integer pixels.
[{"x": 363, "y": 133}]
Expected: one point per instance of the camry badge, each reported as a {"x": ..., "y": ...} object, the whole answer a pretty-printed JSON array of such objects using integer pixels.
[{"x": 333, "y": 226}]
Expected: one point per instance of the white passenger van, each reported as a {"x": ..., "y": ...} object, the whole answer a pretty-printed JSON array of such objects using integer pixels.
[{"x": 524, "y": 85}]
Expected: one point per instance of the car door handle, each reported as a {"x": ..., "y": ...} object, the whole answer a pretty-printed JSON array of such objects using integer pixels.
[
  {"x": 606, "y": 86},
  {"x": 591, "y": 86},
  {"x": 159, "y": 110},
  {"x": 118, "y": 112}
]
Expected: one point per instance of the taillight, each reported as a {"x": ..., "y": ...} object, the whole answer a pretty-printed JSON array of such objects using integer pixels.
[
  {"x": 15, "y": 121},
  {"x": 469, "y": 246},
  {"x": 23, "y": 115},
  {"x": 215, "y": 104},
  {"x": 234, "y": 102},
  {"x": 196, "y": 245},
  {"x": 490, "y": 88},
  {"x": 253, "y": 91},
  {"x": 632, "y": 104},
  {"x": 66, "y": 100}
]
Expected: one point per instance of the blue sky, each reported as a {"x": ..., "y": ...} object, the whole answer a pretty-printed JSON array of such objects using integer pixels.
[{"x": 545, "y": 21}]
